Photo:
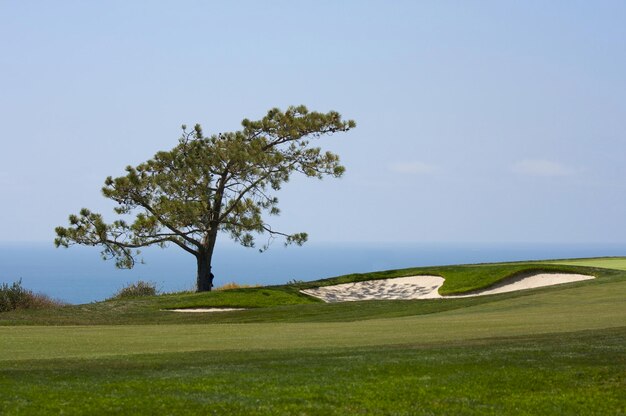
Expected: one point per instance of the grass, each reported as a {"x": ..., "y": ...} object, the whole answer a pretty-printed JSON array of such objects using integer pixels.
[
  {"x": 558, "y": 350},
  {"x": 287, "y": 304},
  {"x": 576, "y": 373},
  {"x": 618, "y": 263},
  {"x": 234, "y": 285},
  {"x": 565, "y": 310},
  {"x": 459, "y": 278}
]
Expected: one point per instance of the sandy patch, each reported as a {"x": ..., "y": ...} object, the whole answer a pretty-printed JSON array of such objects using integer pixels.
[
  {"x": 530, "y": 282},
  {"x": 413, "y": 287},
  {"x": 427, "y": 287},
  {"x": 205, "y": 310}
]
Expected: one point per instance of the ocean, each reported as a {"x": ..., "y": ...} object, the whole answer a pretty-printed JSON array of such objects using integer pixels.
[{"x": 78, "y": 274}]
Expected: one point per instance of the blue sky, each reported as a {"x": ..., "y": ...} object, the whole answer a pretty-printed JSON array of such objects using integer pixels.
[{"x": 480, "y": 121}]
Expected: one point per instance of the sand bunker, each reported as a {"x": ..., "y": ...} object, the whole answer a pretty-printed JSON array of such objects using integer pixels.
[
  {"x": 414, "y": 287},
  {"x": 427, "y": 287},
  {"x": 205, "y": 310}
]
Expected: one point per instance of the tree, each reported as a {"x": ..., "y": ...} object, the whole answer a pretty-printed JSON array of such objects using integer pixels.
[{"x": 205, "y": 185}]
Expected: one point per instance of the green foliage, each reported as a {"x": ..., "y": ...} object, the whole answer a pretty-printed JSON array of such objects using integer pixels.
[
  {"x": 222, "y": 182},
  {"x": 11, "y": 297},
  {"x": 15, "y": 296},
  {"x": 135, "y": 290}
]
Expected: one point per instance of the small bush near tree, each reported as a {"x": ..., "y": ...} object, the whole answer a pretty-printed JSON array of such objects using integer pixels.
[
  {"x": 14, "y": 296},
  {"x": 137, "y": 289}
]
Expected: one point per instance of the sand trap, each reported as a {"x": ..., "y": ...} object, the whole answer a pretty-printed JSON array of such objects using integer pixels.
[
  {"x": 413, "y": 287},
  {"x": 427, "y": 287},
  {"x": 205, "y": 310},
  {"x": 530, "y": 282}
]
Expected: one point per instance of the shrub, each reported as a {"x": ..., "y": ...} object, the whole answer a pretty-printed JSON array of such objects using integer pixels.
[
  {"x": 135, "y": 290},
  {"x": 15, "y": 296}
]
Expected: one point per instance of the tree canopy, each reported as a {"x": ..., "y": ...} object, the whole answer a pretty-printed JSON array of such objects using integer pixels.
[{"x": 206, "y": 184}]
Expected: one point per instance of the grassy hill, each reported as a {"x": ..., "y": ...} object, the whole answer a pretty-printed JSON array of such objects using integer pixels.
[
  {"x": 556, "y": 350},
  {"x": 285, "y": 303}
]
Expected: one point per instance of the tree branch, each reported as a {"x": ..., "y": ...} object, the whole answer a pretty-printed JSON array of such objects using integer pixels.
[{"x": 151, "y": 210}]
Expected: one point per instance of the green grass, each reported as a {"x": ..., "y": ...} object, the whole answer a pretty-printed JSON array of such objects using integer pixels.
[
  {"x": 458, "y": 279},
  {"x": 571, "y": 309},
  {"x": 555, "y": 350},
  {"x": 287, "y": 304},
  {"x": 576, "y": 373},
  {"x": 617, "y": 263}
]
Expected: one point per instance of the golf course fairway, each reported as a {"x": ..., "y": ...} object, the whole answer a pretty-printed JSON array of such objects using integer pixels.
[{"x": 551, "y": 350}]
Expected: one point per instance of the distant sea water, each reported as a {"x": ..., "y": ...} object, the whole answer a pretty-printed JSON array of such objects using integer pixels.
[{"x": 79, "y": 275}]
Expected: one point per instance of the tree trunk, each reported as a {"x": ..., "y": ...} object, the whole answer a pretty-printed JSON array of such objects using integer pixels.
[
  {"x": 204, "y": 281},
  {"x": 204, "y": 255}
]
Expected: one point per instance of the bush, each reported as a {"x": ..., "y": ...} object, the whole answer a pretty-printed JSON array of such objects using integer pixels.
[
  {"x": 14, "y": 296},
  {"x": 135, "y": 290}
]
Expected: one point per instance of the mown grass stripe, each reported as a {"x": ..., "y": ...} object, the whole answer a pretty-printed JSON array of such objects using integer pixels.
[{"x": 592, "y": 307}]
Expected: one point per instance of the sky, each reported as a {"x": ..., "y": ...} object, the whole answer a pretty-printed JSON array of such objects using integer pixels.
[{"x": 477, "y": 121}]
